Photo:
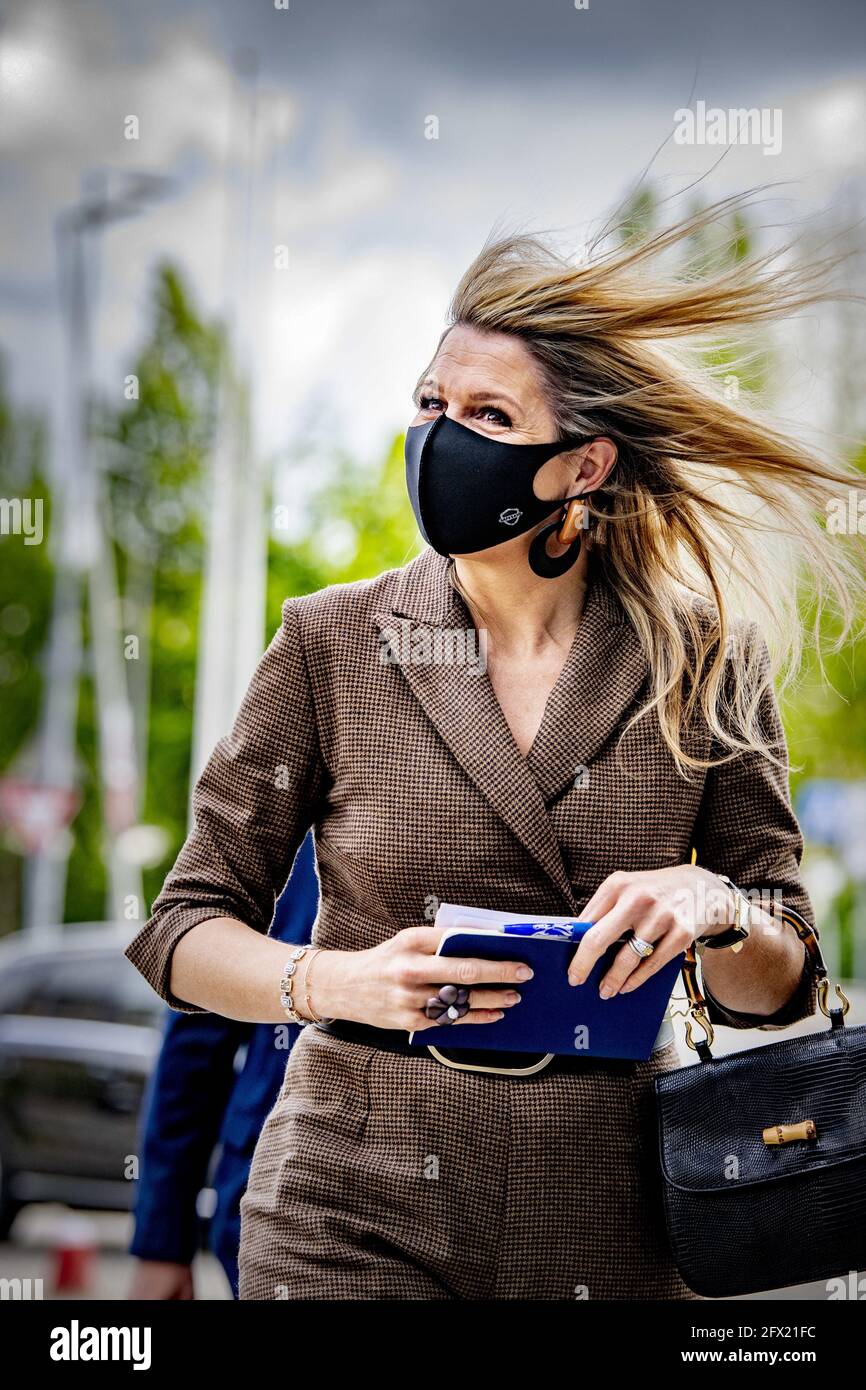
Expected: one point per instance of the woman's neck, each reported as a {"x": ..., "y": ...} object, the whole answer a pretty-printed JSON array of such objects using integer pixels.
[{"x": 520, "y": 610}]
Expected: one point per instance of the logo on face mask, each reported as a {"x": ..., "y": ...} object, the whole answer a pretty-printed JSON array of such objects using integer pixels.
[{"x": 510, "y": 516}]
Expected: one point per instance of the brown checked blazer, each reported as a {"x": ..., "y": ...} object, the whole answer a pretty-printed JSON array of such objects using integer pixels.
[{"x": 379, "y": 1175}]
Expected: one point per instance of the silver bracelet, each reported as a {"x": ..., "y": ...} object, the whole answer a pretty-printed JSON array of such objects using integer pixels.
[{"x": 287, "y": 984}]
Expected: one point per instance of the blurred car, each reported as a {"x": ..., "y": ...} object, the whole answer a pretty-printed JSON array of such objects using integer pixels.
[{"x": 79, "y": 1036}]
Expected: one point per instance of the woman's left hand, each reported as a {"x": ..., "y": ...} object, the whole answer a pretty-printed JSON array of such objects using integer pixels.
[{"x": 669, "y": 908}]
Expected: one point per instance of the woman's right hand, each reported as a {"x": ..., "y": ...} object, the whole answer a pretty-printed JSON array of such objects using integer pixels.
[{"x": 388, "y": 986}]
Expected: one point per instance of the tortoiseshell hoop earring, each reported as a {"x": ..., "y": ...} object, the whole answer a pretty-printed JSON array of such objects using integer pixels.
[{"x": 567, "y": 530}]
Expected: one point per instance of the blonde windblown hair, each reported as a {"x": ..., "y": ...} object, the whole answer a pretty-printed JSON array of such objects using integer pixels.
[{"x": 713, "y": 519}]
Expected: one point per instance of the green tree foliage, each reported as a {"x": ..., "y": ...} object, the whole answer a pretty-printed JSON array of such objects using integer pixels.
[
  {"x": 25, "y": 577},
  {"x": 353, "y": 530},
  {"x": 26, "y": 581},
  {"x": 157, "y": 447},
  {"x": 826, "y": 713},
  {"x": 152, "y": 450}
]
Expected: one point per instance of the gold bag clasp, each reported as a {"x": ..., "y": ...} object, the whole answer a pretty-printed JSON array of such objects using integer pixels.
[{"x": 786, "y": 1134}]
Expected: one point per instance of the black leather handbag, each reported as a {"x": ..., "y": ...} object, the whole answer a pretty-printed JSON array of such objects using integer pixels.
[{"x": 763, "y": 1152}]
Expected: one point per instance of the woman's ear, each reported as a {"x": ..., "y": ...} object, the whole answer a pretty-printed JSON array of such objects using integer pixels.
[
  {"x": 596, "y": 462},
  {"x": 576, "y": 470}
]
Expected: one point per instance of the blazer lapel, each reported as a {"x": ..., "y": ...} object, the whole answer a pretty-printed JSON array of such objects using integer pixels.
[{"x": 601, "y": 677}]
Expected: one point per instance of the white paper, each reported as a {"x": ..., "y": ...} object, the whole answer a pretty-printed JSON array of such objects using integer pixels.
[{"x": 453, "y": 915}]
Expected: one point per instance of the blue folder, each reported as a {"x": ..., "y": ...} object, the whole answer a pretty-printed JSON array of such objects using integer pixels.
[{"x": 554, "y": 1016}]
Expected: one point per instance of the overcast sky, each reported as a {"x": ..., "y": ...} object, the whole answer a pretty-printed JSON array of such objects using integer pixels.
[{"x": 546, "y": 116}]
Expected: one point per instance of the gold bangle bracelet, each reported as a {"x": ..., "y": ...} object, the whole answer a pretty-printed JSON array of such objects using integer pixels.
[{"x": 307, "y": 1003}]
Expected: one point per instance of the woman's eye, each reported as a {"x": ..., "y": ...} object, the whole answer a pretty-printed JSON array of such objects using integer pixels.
[
  {"x": 501, "y": 417},
  {"x": 485, "y": 412}
]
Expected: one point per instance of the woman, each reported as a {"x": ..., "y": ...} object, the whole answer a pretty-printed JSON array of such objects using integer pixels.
[{"x": 625, "y": 718}]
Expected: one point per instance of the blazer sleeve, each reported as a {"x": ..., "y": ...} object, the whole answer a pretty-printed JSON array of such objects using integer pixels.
[
  {"x": 254, "y": 802},
  {"x": 746, "y": 828}
]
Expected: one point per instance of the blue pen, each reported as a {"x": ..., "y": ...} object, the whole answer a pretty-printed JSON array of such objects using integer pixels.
[{"x": 570, "y": 931}]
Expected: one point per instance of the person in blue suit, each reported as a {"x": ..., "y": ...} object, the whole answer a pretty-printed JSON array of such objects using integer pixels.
[{"x": 213, "y": 1085}]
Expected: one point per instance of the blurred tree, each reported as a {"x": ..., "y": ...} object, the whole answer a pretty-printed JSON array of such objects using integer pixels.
[
  {"x": 25, "y": 576},
  {"x": 26, "y": 580},
  {"x": 155, "y": 448},
  {"x": 638, "y": 216},
  {"x": 352, "y": 530},
  {"x": 825, "y": 715},
  {"x": 152, "y": 450}
]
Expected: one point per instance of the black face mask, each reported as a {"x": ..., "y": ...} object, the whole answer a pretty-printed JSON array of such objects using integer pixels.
[{"x": 470, "y": 492}]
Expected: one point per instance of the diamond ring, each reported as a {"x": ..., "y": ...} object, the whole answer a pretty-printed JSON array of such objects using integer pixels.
[{"x": 644, "y": 949}]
